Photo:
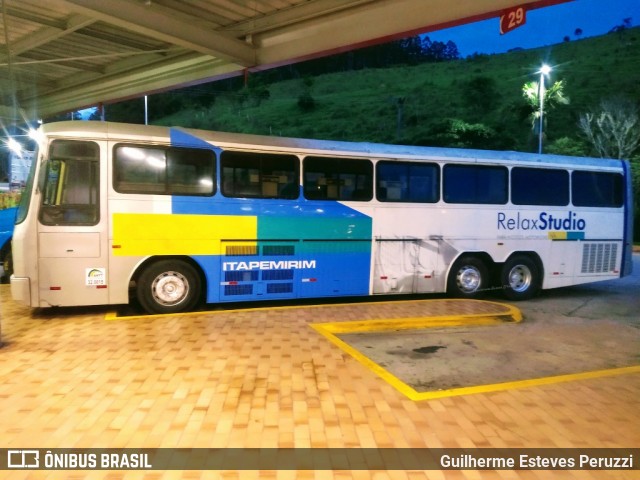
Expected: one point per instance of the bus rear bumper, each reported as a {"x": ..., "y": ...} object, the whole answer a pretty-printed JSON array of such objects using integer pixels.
[{"x": 21, "y": 290}]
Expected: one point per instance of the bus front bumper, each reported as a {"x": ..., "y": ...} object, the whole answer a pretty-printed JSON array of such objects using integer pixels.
[{"x": 21, "y": 290}]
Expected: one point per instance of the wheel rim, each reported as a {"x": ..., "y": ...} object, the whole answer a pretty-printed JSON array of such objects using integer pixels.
[
  {"x": 468, "y": 279},
  {"x": 170, "y": 288},
  {"x": 520, "y": 278}
]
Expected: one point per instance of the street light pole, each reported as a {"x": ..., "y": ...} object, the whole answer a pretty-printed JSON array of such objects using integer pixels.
[{"x": 544, "y": 70}]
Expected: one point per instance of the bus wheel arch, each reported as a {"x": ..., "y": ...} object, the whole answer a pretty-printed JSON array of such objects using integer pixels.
[
  {"x": 169, "y": 284},
  {"x": 521, "y": 276},
  {"x": 469, "y": 276}
]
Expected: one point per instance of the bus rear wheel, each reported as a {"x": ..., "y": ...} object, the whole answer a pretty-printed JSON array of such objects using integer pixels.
[
  {"x": 468, "y": 278},
  {"x": 520, "y": 278},
  {"x": 169, "y": 286}
]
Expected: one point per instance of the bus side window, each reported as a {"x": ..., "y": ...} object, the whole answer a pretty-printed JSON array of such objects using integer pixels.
[
  {"x": 259, "y": 175},
  {"x": 160, "y": 170},
  {"x": 597, "y": 189},
  {"x": 190, "y": 171},
  {"x": 475, "y": 184},
  {"x": 407, "y": 182},
  {"x": 328, "y": 178},
  {"x": 539, "y": 186},
  {"x": 71, "y": 184}
]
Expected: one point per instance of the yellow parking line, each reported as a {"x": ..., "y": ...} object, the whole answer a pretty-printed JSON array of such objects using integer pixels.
[
  {"x": 533, "y": 382},
  {"x": 114, "y": 315},
  {"x": 512, "y": 314}
]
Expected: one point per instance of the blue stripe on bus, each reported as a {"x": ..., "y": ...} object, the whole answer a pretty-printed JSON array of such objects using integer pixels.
[
  {"x": 331, "y": 236},
  {"x": 626, "y": 262},
  {"x": 331, "y": 274},
  {"x": 184, "y": 139}
]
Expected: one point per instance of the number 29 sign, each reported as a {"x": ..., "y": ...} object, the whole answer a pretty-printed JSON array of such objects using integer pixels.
[{"x": 512, "y": 18}]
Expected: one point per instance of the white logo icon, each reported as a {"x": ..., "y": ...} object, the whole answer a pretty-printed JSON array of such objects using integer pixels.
[{"x": 23, "y": 459}]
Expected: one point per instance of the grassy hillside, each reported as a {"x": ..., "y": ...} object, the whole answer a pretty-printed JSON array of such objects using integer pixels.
[{"x": 416, "y": 104}]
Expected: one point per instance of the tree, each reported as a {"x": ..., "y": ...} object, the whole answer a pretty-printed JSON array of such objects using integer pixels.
[
  {"x": 435, "y": 51},
  {"x": 614, "y": 130},
  {"x": 480, "y": 94},
  {"x": 457, "y": 133},
  {"x": 451, "y": 51},
  {"x": 306, "y": 102},
  {"x": 568, "y": 146},
  {"x": 553, "y": 96},
  {"x": 626, "y": 24},
  {"x": 411, "y": 50}
]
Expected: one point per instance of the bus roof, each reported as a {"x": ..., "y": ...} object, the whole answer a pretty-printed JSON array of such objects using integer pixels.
[{"x": 132, "y": 132}]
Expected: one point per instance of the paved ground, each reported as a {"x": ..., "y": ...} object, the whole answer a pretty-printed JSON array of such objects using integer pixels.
[
  {"x": 264, "y": 378},
  {"x": 565, "y": 331}
]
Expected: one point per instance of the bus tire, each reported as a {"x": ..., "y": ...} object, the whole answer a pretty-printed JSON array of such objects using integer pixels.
[
  {"x": 169, "y": 286},
  {"x": 469, "y": 278},
  {"x": 520, "y": 278}
]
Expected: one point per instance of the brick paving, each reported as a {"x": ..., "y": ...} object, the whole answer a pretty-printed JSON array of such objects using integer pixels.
[{"x": 72, "y": 378}]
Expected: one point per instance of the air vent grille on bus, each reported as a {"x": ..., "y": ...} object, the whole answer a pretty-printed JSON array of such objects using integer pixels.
[
  {"x": 599, "y": 257},
  {"x": 241, "y": 250},
  {"x": 257, "y": 270}
]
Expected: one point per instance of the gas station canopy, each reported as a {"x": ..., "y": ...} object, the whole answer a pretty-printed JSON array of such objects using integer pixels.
[{"x": 62, "y": 55}]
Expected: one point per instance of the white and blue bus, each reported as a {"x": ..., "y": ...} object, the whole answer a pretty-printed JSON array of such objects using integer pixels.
[{"x": 175, "y": 217}]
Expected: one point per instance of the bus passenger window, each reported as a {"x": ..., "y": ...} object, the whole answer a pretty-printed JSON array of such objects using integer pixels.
[
  {"x": 328, "y": 178},
  {"x": 475, "y": 184},
  {"x": 259, "y": 175},
  {"x": 71, "y": 184},
  {"x": 164, "y": 170},
  {"x": 597, "y": 189},
  {"x": 407, "y": 182},
  {"x": 190, "y": 171},
  {"x": 539, "y": 186}
]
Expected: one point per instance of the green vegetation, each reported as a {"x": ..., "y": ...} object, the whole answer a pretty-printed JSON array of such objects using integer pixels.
[
  {"x": 473, "y": 102},
  {"x": 434, "y": 98},
  {"x": 9, "y": 199},
  {"x": 553, "y": 96}
]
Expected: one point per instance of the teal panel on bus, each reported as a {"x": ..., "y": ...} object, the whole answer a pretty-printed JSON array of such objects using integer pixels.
[{"x": 314, "y": 228}]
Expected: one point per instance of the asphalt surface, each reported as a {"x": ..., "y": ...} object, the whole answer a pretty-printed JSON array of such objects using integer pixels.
[{"x": 565, "y": 331}]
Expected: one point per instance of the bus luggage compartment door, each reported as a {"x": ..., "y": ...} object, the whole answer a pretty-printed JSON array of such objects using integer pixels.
[
  {"x": 404, "y": 266},
  {"x": 335, "y": 267},
  {"x": 72, "y": 269}
]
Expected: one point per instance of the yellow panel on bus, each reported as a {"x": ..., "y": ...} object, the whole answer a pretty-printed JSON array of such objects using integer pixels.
[{"x": 171, "y": 234}]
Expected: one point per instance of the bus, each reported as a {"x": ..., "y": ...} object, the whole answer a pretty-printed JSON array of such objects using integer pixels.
[
  {"x": 18, "y": 165},
  {"x": 7, "y": 221},
  {"x": 173, "y": 218}
]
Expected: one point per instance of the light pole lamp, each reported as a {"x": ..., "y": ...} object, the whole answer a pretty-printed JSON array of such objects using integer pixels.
[{"x": 544, "y": 70}]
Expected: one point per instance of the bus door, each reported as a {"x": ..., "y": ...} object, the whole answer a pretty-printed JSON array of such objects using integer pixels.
[
  {"x": 72, "y": 226},
  {"x": 404, "y": 266}
]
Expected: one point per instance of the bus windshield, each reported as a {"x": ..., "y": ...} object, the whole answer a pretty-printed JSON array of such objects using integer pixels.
[{"x": 25, "y": 199}]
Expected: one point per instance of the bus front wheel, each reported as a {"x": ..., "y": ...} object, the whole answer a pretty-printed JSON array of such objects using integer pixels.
[
  {"x": 469, "y": 277},
  {"x": 520, "y": 278},
  {"x": 168, "y": 286}
]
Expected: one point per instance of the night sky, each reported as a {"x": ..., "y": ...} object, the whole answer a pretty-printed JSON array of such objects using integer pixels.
[{"x": 544, "y": 26}]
